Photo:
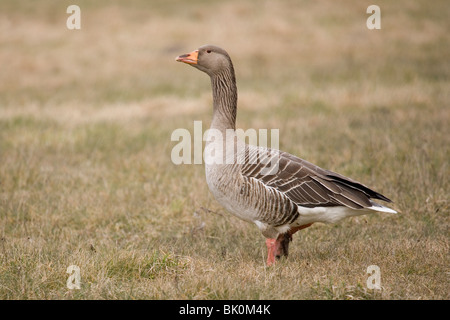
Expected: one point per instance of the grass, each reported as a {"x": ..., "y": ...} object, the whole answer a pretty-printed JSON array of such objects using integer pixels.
[{"x": 85, "y": 172}]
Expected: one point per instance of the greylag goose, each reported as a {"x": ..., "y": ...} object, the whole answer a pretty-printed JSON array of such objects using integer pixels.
[{"x": 275, "y": 190}]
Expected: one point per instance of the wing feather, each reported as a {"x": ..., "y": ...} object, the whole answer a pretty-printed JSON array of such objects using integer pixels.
[{"x": 308, "y": 185}]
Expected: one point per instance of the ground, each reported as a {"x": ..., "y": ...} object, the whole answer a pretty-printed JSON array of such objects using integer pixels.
[{"x": 86, "y": 177}]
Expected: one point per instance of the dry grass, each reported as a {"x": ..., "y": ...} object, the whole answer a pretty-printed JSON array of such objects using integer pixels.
[{"x": 85, "y": 124}]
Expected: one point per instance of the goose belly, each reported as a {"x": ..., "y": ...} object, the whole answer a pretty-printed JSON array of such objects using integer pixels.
[
  {"x": 247, "y": 198},
  {"x": 223, "y": 182}
]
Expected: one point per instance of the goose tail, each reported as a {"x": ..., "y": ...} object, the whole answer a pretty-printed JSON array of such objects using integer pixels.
[{"x": 378, "y": 207}]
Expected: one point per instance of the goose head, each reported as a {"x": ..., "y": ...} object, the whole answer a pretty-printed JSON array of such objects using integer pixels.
[{"x": 209, "y": 59}]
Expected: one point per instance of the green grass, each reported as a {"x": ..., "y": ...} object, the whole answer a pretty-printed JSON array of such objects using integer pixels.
[{"x": 86, "y": 119}]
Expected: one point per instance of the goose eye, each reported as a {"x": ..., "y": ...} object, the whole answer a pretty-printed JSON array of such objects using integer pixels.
[{"x": 208, "y": 51}]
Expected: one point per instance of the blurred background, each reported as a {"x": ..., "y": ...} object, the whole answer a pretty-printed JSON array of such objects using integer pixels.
[{"x": 86, "y": 118}]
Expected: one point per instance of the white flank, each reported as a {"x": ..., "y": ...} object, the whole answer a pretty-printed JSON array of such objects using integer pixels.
[{"x": 334, "y": 214}]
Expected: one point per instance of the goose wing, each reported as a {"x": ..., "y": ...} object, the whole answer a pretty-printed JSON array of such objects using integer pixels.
[{"x": 304, "y": 183}]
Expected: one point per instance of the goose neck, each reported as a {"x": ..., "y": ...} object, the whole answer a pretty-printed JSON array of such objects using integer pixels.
[{"x": 224, "y": 100}]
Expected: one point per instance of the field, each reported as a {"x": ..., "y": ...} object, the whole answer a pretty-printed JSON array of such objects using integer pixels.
[{"x": 86, "y": 176}]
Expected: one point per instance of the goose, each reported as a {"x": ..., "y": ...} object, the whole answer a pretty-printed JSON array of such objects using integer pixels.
[{"x": 277, "y": 191}]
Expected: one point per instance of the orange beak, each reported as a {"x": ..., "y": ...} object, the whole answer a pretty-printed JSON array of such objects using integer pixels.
[{"x": 189, "y": 58}]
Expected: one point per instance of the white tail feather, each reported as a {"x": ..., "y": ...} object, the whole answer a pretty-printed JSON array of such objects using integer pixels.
[{"x": 378, "y": 207}]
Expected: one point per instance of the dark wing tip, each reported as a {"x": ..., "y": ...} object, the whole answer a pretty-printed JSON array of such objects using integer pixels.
[{"x": 358, "y": 186}]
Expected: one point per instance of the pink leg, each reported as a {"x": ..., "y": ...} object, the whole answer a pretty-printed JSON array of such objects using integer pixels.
[
  {"x": 276, "y": 248},
  {"x": 271, "y": 248}
]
